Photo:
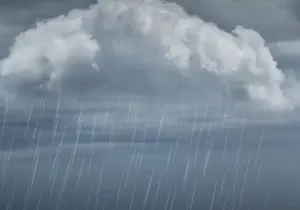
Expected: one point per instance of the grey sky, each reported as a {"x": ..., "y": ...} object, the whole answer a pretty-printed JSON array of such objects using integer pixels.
[{"x": 274, "y": 19}]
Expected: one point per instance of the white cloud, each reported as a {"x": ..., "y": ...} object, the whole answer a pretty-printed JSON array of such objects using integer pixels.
[
  {"x": 49, "y": 49},
  {"x": 156, "y": 34}
]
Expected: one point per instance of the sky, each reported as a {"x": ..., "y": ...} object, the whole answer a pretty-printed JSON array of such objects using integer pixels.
[
  {"x": 154, "y": 55},
  {"x": 234, "y": 57},
  {"x": 275, "y": 24},
  {"x": 191, "y": 100}
]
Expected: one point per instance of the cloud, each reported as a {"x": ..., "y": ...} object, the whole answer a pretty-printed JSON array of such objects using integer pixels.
[
  {"x": 49, "y": 49},
  {"x": 153, "y": 37},
  {"x": 286, "y": 48}
]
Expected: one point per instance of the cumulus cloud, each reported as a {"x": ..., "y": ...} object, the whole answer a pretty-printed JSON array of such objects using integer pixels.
[
  {"x": 156, "y": 35},
  {"x": 49, "y": 49}
]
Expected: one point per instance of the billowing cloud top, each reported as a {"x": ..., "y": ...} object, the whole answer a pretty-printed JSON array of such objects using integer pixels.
[{"x": 155, "y": 35}]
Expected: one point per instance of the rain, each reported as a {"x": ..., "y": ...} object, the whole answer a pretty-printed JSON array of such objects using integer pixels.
[{"x": 208, "y": 162}]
